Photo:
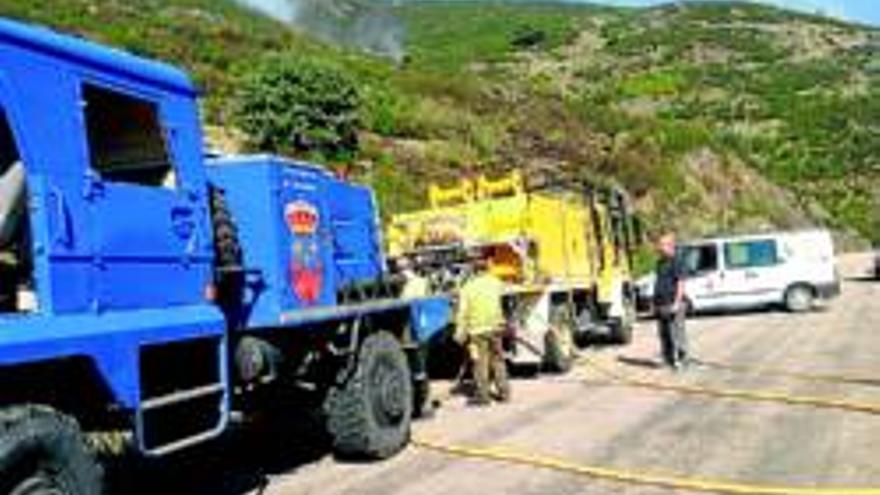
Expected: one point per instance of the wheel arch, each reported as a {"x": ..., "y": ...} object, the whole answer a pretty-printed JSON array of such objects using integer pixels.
[
  {"x": 801, "y": 283},
  {"x": 73, "y": 385}
]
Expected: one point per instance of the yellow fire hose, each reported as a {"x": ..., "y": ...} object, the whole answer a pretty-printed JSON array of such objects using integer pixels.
[
  {"x": 679, "y": 482},
  {"x": 634, "y": 477},
  {"x": 747, "y": 395},
  {"x": 800, "y": 375}
]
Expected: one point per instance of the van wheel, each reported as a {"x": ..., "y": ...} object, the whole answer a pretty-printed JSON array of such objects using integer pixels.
[
  {"x": 370, "y": 410},
  {"x": 44, "y": 452},
  {"x": 799, "y": 298}
]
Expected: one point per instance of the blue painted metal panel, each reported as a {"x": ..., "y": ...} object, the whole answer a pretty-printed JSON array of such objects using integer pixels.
[
  {"x": 252, "y": 198},
  {"x": 111, "y": 340},
  {"x": 285, "y": 227},
  {"x": 296, "y": 217},
  {"x": 307, "y": 264},
  {"x": 103, "y": 246},
  {"x": 31, "y": 94},
  {"x": 430, "y": 316},
  {"x": 94, "y": 56},
  {"x": 100, "y": 249},
  {"x": 145, "y": 237},
  {"x": 357, "y": 245}
]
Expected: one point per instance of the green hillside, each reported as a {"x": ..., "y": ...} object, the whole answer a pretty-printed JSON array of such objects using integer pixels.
[{"x": 722, "y": 116}]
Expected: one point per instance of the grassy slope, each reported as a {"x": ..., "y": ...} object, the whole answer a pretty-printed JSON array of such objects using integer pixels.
[
  {"x": 741, "y": 89},
  {"x": 694, "y": 109}
]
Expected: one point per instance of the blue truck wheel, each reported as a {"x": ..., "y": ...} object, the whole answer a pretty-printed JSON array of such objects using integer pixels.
[
  {"x": 42, "y": 451},
  {"x": 369, "y": 410}
]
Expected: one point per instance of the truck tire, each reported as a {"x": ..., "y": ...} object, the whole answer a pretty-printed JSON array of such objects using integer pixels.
[
  {"x": 422, "y": 406},
  {"x": 559, "y": 342},
  {"x": 799, "y": 298},
  {"x": 227, "y": 252},
  {"x": 42, "y": 452},
  {"x": 557, "y": 359},
  {"x": 621, "y": 332},
  {"x": 370, "y": 409},
  {"x": 622, "y": 328}
]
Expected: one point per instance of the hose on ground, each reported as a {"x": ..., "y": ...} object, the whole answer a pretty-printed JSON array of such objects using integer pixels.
[{"x": 669, "y": 481}]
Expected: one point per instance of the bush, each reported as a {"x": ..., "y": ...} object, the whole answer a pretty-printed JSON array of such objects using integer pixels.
[
  {"x": 295, "y": 105},
  {"x": 382, "y": 109},
  {"x": 527, "y": 37}
]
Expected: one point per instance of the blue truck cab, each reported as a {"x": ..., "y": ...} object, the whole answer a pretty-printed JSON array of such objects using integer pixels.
[{"x": 147, "y": 289}]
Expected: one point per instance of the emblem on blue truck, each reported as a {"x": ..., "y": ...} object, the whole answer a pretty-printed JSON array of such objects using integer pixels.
[{"x": 306, "y": 270}]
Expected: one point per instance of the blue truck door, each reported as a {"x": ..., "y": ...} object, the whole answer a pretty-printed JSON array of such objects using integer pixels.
[{"x": 148, "y": 251}]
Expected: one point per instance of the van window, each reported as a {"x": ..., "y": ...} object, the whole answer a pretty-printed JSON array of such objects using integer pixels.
[
  {"x": 699, "y": 258},
  {"x": 126, "y": 140},
  {"x": 751, "y": 254}
]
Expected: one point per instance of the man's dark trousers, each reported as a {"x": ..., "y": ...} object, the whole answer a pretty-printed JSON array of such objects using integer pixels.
[{"x": 673, "y": 338}]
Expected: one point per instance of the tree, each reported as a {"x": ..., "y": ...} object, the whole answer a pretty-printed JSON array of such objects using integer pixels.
[{"x": 290, "y": 104}]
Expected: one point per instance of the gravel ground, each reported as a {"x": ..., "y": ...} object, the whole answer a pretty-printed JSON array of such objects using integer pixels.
[{"x": 583, "y": 419}]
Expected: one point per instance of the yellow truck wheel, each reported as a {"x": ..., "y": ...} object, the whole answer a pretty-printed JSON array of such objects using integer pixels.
[{"x": 559, "y": 348}]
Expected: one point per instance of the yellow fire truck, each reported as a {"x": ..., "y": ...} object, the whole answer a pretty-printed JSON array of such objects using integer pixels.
[{"x": 565, "y": 252}]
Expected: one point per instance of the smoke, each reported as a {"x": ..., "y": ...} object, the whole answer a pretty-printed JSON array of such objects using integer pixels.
[{"x": 370, "y": 26}]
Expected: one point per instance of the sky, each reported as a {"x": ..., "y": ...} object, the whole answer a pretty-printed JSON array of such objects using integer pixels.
[{"x": 863, "y": 11}]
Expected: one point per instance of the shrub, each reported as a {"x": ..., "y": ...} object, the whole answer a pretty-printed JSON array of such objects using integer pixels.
[
  {"x": 527, "y": 37},
  {"x": 382, "y": 109},
  {"x": 656, "y": 83},
  {"x": 295, "y": 105}
]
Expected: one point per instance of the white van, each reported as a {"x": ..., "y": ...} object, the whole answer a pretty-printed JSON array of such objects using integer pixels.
[{"x": 791, "y": 269}]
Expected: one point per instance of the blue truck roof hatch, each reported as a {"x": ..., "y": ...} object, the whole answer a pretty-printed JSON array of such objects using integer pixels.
[{"x": 100, "y": 57}]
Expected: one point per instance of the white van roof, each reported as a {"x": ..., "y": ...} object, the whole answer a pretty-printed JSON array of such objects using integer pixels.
[{"x": 781, "y": 234}]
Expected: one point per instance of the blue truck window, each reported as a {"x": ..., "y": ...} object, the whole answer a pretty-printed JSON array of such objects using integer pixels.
[
  {"x": 14, "y": 247},
  {"x": 127, "y": 143}
]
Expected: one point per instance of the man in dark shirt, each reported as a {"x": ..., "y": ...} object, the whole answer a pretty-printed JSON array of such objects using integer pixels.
[{"x": 669, "y": 301}]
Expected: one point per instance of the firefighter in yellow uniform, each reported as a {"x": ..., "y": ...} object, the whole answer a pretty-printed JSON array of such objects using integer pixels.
[{"x": 479, "y": 327}]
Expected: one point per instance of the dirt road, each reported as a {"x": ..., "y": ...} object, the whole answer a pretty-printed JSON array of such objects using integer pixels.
[{"x": 580, "y": 421}]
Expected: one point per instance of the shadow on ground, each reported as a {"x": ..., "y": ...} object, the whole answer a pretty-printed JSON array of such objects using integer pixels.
[
  {"x": 640, "y": 362},
  {"x": 239, "y": 463}
]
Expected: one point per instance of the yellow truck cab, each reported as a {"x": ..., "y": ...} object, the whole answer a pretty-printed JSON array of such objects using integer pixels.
[{"x": 565, "y": 253}]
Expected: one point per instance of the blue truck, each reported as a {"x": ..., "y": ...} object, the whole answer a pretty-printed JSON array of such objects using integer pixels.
[{"x": 150, "y": 290}]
